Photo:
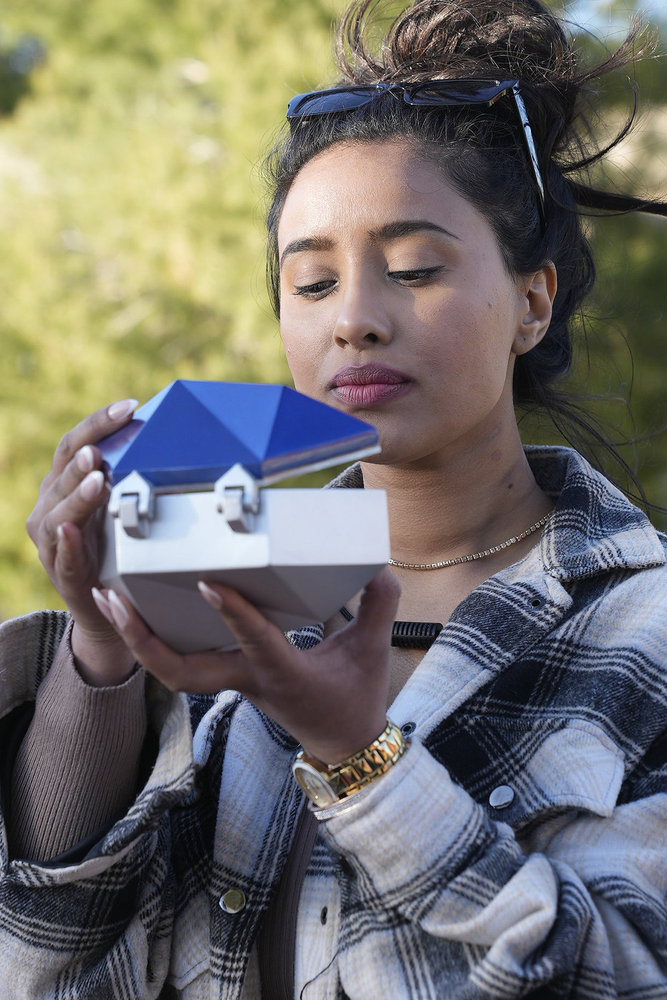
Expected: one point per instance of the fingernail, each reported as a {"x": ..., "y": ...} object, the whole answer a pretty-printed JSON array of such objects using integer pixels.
[
  {"x": 85, "y": 459},
  {"x": 118, "y": 612},
  {"x": 122, "y": 409},
  {"x": 92, "y": 485},
  {"x": 102, "y": 605},
  {"x": 210, "y": 595}
]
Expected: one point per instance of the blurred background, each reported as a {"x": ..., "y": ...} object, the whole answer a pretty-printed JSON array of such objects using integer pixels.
[{"x": 131, "y": 216}]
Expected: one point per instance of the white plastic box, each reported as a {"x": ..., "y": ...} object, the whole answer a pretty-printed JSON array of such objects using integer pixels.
[
  {"x": 307, "y": 553},
  {"x": 192, "y": 500}
]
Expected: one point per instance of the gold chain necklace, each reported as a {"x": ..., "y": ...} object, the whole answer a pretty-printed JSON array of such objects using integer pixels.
[{"x": 475, "y": 555}]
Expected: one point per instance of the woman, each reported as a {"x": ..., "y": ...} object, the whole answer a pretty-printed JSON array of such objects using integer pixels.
[{"x": 487, "y": 818}]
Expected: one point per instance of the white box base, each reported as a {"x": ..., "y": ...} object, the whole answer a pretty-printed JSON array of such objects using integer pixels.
[{"x": 309, "y": 551}]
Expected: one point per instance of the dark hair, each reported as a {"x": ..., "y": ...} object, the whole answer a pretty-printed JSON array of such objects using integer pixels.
[{"x": 483, "y": 152}]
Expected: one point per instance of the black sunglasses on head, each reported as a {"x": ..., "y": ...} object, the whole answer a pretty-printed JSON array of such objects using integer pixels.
[{"x": 428, "y": 94}]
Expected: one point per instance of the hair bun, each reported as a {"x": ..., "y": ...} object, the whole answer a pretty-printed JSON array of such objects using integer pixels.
[
  {"x": 522, "y": 39},
  {"x": 447, "y": 38}
]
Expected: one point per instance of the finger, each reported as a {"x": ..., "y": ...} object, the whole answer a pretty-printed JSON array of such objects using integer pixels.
[
  {"x": 77, "y": 508},
  {"x": 69, "y": 560},
  {"x": 87, "y": 459},
  {"x": 54, "y": 489},
  {"x": 258, "y": 638},
  {"x": 103, "y": 604},
  {"x": 73, "y": 573},
  {"x": 75, "y": 458},
  {"x": 91, "y": 430},
  {"x": 148, "y": 650},
  {"x": 204, "y": 673}
]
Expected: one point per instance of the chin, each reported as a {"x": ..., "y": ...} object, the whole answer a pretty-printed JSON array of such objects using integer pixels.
[{"x": 393, "y": 454}]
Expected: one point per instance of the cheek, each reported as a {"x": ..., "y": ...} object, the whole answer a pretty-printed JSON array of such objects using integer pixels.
[
  {"x": 468, "y": 344},
  {"x": 303, "y": 357},
  {"x": 445, "y": 336}
]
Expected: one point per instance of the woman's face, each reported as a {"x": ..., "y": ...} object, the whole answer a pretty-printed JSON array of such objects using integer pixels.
[{"x": 395, "y": 303}]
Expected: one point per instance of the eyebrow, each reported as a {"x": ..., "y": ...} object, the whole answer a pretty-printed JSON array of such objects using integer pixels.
[
  {"x": 307, "y": 243},
  {"x": 406, "y": 227},
  {"x": 391, "y": 231}
]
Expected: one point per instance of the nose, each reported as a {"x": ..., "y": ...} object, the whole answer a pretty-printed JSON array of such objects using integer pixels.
[{"x": 362, "y": 319}]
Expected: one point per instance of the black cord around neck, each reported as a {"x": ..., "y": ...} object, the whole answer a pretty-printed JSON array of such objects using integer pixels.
[{"x": 408, "y": 635}]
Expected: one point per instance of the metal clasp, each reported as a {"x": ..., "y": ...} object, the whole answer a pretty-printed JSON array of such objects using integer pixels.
[
  {"x": 132, "y": 501},
  {"x": 237, "y": 494}
]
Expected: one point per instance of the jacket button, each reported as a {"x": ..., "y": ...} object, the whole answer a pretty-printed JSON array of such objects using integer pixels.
[
  {"x": 232, "y": 901},
  {"x": 501, "y": 797}
]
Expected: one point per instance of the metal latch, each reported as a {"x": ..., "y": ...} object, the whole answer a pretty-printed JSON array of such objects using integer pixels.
[
  {"x": 237, "y": 494},
  {"x": 132, "y": 501}
]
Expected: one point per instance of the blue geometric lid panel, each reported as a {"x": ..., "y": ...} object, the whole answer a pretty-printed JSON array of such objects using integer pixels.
[{"x": 192, "y": 432}]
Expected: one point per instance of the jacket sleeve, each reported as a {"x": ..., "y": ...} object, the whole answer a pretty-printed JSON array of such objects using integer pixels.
[
  {"x": 98, "y": 925},
  {"x": 442, "y": 898}
]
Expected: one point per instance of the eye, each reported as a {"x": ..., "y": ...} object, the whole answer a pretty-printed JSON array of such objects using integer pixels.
[
  {"x": 316, "y": 289},
  {"x": 416, "y": 275}
]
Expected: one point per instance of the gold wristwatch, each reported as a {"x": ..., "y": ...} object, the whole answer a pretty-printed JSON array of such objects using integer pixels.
[{"x": 326, "y": 784}]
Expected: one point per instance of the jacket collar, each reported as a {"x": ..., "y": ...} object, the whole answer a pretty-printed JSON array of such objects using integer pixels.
[{"x": 594, "y": 527}]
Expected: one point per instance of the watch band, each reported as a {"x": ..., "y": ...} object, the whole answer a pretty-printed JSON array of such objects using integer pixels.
[{"x": 325, "y": 784}]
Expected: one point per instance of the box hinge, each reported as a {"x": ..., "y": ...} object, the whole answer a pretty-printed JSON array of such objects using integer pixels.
[
  {"x": 237, "y": 495},
  {"x": 132, "y": 501}
]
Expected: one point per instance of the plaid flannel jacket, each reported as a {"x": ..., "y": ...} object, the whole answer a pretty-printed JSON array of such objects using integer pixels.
[{"x": 546, "y": 687}]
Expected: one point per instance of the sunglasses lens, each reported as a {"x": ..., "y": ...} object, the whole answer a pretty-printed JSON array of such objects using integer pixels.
[
  {"x": 326, "y": 101},
  {"x": 454, "y": 92}
]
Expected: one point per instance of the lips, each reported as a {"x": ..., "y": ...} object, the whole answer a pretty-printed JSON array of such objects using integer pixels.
[{"x": 368, "y": 385}]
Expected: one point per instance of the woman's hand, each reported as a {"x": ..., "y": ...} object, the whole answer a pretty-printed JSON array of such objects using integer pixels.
[
  {"x": 332, "y": 699},
  {"x": 64, "y": 526}
]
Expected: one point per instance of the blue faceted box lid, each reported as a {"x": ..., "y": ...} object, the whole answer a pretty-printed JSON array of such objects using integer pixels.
[{"x": 192, "y": 432}]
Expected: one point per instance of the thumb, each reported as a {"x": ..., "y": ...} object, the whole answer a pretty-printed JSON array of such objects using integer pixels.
[{"x": 378, "y": 606}]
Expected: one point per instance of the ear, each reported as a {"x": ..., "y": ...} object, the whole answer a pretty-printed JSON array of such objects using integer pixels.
[{"x": 539, "y": 290}]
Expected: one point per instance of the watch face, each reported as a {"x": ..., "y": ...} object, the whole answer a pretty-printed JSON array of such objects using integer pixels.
[{"x": 314, "y": 785}]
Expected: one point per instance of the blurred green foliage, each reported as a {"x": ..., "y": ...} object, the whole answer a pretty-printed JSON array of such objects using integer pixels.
[{"x": 131, "y": 214}]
